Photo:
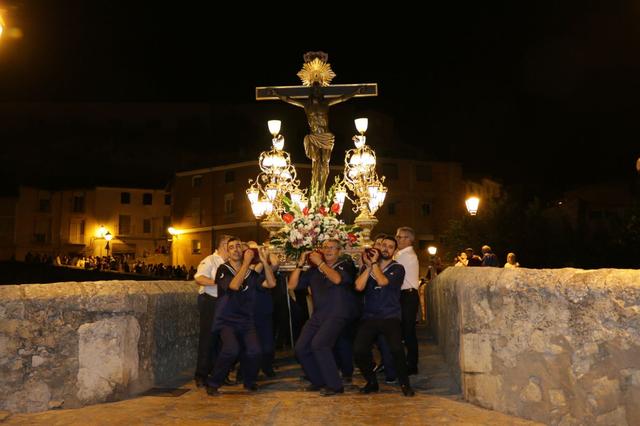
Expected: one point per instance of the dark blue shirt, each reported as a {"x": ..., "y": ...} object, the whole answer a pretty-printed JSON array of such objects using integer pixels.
[
  {"x": 263, "y": 301},
  {"x": 383, "y": 302},
  {"x": 236, "y": 308},
  {"x": 331, "y": 300}
]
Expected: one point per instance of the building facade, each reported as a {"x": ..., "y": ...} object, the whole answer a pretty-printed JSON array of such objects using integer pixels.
[
  {"x": 69, "y": 222},
  {"x": 208, "y": 202}
]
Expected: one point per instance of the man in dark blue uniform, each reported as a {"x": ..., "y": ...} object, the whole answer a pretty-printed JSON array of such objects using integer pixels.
[
  {"x": 235, "y": 314},
  {"x": 263, "y": 317},
  {"x": 328, "y": 278},
  {"x": 381, "y": 281}
]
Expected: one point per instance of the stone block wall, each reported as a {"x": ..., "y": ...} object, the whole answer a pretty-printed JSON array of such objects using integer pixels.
[
  {"x": 559, "y": 346},
  {"x": 71, "y": 344}
]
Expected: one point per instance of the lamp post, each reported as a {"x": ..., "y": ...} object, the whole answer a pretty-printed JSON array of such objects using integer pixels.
[
  {"x": 174, "y": 237},
  {"x": 108, "y": 237},
  {"x": 432, "y": 250}
]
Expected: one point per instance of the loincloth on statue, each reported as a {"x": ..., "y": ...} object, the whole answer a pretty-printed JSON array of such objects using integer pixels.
[{"x": 319, "y": 140}]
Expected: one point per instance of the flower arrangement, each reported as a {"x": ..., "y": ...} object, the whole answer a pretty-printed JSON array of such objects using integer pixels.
[{"x": 306, "y": 230}]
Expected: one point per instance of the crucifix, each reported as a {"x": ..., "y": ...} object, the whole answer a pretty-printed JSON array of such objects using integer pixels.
[{"x": 315, "y": 96}]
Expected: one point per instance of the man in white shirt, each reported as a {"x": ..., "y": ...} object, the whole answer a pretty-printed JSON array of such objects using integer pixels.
[
  {"x": 409, "y": 300},
  {"x": 207, "y": 299}
]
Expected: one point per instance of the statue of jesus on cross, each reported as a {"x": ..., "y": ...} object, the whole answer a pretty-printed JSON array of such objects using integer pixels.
[{"x": 316, "y": 97}]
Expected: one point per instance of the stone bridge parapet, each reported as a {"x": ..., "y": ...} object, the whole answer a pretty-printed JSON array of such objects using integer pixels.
[
  {"x": 78, "y": 343},
  {"x": 561, "y": 346}
]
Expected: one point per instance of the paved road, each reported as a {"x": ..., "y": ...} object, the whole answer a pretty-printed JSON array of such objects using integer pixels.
[{"x": 280, "y": 401}]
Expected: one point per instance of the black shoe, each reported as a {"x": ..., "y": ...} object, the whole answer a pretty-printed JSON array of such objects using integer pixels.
[
  {"x": 347, "y": 379},
  {"x": 312, "y": 388},
  {"x": 370, "y": 387},
  {"x": 200, "y": 382},
  {"x": 407, "y": 390},
  {"x": 270, "y": 373},
  {"x": 252, "y": 388},
  {"x": 378, "y": 368},
  {"x": 412, "y": 371},
  {"x": 390, "y": 380},
  {"x": 331, "y": 392},
  {"x": 211, "y": 391}
]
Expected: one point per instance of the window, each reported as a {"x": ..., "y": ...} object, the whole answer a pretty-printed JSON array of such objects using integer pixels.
[
  {"x": 124, "y": 225},
  {"x": 196, "y": 181},
  {"x": 146, "y": 226},
  {"x": 424, "y": 173},
  {"x": 147, "y": 198},
  {"x": 425, "y": 209},
  {"x": 167, "y": 199},
  {"x": 42, "y": 231},
  {"x": 228, "y": 203},
  {"x": 229, "y": 176},
  {"x": 44, "y": 205},
  {"x": 196, "y": 247},
  {"x": 76, "y": 232},
  {"x": 391, "y": 208},
  {"x": 44, "y": 202},
  {"x": 78, "y": 203},
  {"x": 390, "y": 170},
  {"x": 125, "y": 198}
]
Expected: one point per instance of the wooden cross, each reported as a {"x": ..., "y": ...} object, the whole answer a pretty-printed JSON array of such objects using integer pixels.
[{"x": 302, "y": 92}]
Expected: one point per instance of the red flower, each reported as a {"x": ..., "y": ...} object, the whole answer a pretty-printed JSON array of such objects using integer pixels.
[
  {"x": 287, "y": 217},
  {"x": 352, "y": 237},
  {"x": 305, "y": 211},
  {"x": 322, "y": 211},
  {"x": 335, "y": 207}
]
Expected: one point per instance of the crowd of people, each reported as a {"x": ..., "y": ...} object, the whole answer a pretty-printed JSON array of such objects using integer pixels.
[
  {"x": 355, "y": 308},
  {"x": 117, "y": 263},
  {"x": 468, "y": 258}
]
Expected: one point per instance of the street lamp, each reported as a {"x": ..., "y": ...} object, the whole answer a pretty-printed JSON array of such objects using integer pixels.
[
  {"x": 174, "y": 238},
  {"x": 472, "y": 205},
  {"x": 108, "y": 237},
  {"x": 432, "y": 250}
]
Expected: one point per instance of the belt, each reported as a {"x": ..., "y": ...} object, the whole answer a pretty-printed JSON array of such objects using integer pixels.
[
  {"x": 208, "y": 295},
  {"x": 409, "y": 290}
]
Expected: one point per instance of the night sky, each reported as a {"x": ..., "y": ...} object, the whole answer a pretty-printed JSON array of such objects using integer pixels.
[{"x": 542, "y": 93}]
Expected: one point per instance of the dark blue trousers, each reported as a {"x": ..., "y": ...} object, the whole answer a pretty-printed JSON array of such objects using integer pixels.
[
  {"x": 387, "y": 358},
  {"x": 314, "y": 350},
  {"x": 243, "y": 343},
  {"x": 264, "y": 330},
  {"x": 343, "y": 349},
  {"x": 368, "y": 331}
]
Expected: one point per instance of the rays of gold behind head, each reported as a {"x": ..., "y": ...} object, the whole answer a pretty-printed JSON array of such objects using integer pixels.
[{"x": 316, "y": 69}]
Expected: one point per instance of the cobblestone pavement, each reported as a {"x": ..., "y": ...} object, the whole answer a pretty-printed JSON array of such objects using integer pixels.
[{"x": 281, "y": 401}]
